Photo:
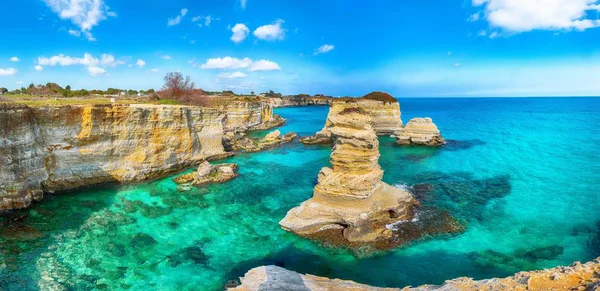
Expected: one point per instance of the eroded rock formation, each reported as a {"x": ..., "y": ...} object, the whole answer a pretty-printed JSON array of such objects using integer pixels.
[
  {"x": 419, "y": 131},
  {"x": 575, "y": 277},
  {"x": 350, "y": 197},
  {"x": 252, "y": 145},
  {"x": 209, "y": 174},
  {"x": 288, "y": 101},
  {"x": 57, "y": 148},
  {"x": 385, "y": 113}
]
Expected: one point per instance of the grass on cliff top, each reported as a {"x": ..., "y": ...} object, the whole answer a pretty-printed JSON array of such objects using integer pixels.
[{"x": 35, "y": 101}]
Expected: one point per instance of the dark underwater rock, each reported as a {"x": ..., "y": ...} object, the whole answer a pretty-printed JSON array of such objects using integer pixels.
[
  {"x": 20, "y": 232},
  {"x": 193, "y": 254}
]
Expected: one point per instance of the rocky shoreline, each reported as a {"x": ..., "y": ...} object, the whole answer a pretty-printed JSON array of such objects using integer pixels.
[
  {"x": 575, "y": 277},
  {"x": 58, "y": 148}
]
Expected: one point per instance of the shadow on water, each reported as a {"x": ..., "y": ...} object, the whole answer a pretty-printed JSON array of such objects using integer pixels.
[
  {"x": 400, "y": 270},
  {"x": 460, "y": 193},
  {"x": 417, "y": 154}
]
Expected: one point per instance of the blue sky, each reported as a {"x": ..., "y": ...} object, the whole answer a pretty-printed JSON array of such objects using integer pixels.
[{"x": 410, "y": 48}]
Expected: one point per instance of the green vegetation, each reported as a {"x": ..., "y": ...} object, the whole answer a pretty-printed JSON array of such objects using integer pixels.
[
  {"x": 380, "y": 96},
  {"x": 55, "y": 90}
]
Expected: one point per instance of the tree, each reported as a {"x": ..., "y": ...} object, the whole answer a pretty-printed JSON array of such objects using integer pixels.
[
  {"x": 176, "y": 85},
  {"x": 3, "y": 90},
  {"x": 68, "y": 88},
  {"x": 252, "y": 93}
]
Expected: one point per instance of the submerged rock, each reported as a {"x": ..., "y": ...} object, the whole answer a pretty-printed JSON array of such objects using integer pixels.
[
  {"x": 419, "y": 131},
  {"x": 20, "y": 232},
  {"x": 350, "y": 197},
  {"x": 209, "y": 174},
  {"x": 271, "y": 140},
  {"x": 575, "y": 277}
]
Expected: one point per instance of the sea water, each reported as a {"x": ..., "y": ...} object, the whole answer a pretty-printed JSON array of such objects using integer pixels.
[{"x": 522, "y": 175}]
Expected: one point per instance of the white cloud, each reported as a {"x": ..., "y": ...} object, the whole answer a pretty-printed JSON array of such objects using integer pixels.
[
  {"x": 155, "y": 70},
  {"x": 177, "y": 19},
  {"x": 62, "y": 60},
  {"x": 20, "y": 82},
  {"x": 74, "y": 32},
  {"x": 8, "y": 72},
  {"x": 167, "y": 57},
  {"x": 85, "y": 14},
  {"x": 110, "y": 61},
  {"x": 234, "y": 75},
  {"x": 264, "y": 65},
  {"x": 140, "y": 63},
  {"x": 235, "y": 63},
  {"x": 475, "y": 17},
  {"x": 271, "y": 31},
  {"x": 96, "y": 71},
  {"x": 226, "y": 63},
  {"x": 526, "y": 15},
  {"x": 94, "y": 66},
  {"x": 240, "y": 32},
  {"x": 205, "y": 20},
  {"x": 14, "y": 59},
  {"x": 457, "y": 65},
  {"x": 243, "y": 3},
  {"x": 324, "y": 49}
]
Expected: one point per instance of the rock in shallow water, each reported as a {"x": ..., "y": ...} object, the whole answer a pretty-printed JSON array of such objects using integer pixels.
[
  {"x": 351, "y": 206},
  {"x": 20, "y": 232},
  {"x": 209, "y": 174},
  {"x": 419, "y": 131},
  {"x": 575, "y": 277}
]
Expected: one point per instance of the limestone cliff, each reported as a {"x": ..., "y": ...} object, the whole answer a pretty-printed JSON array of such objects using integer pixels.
[
  {"x": 419, "y": 131},
  {"x": 575, "y": 277},
  {"x": 289, "y": 101},
  {"x": 57, "y": 148},
  {"x": 350, "y": 197},
  {"x": 386, "y": 117}
]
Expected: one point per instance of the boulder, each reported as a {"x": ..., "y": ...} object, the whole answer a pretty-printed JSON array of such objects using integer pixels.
[
  {"x": 209, "y": 174},
  {"x": 419, "y": 131}
]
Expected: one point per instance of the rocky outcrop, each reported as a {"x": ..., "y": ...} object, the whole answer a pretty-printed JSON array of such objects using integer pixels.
[
  {"x": 252, "y": 145},
  {"x": 350, "y": 198},
  {"x": 58, "y": 148},
  {"x": 575, "y": 277},
  {"x": 242, "y": 115},
  {"x": 419, "y": 131},
  {"x": 385, "y": 114},
  {"x": 290, "y": 101},
  {"x": 209, "y": 174}
]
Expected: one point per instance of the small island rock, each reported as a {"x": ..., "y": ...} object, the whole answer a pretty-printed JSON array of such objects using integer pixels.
[{"x": 419, "y": 131}]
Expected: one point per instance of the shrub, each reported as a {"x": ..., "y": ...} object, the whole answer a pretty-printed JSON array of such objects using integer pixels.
[{"x": 380, "y": 96}]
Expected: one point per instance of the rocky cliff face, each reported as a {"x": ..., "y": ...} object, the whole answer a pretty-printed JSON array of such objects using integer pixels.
[
  {"x": 350, "y": 197},
  {"x": 298, "y": 101},
  {"x": 59, "y": 148},
  {"x": 386, "y": 117},
  {"x": 419, "y": 131}
]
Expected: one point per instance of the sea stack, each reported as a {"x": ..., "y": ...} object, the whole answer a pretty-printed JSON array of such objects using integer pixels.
[
  {"x": 382, "y": 107},
  {"x": 419, "y": 131},
  {"x": 350, "y": 197}
]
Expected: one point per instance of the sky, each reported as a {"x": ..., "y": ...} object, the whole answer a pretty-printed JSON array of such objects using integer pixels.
[{"x": 409, "y": 48}]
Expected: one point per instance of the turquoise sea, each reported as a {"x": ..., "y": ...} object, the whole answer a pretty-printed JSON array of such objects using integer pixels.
[{"x": 522, "y": 174}]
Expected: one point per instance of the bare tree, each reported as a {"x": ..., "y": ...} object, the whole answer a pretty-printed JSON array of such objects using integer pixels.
[
  {"x": 183, "y": 90},
  {"x": 176, "y": 85}
]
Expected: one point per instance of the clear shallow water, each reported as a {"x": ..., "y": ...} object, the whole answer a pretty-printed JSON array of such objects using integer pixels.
[{"x": 522, "y": 175}]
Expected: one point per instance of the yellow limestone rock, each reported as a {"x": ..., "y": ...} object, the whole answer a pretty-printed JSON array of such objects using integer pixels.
[
  {"x": 419, "y": 131},
  {"x": 575, "y": 277},
  {"x": 350, "y": 195}
]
